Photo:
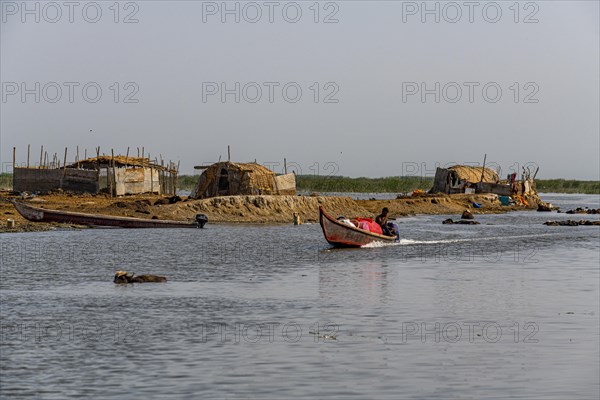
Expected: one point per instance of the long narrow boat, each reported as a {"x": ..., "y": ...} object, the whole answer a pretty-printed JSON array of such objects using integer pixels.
[
  {"x": 341, "y": 235},
  {"x": 36, "y": 214}
]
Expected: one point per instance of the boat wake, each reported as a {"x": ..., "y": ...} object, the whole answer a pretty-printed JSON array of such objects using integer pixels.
[{"x": 409, "y": 242}]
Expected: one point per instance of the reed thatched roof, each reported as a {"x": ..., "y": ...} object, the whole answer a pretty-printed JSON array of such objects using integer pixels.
[
  {"x": 254, "y": 169},
  {"x": 120, "y": 161},
  {"x": 474, "y": 174}
]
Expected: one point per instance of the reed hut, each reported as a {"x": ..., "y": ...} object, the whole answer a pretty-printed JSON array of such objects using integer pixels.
[
  {"x": 230, "y": 178},
  {"x": 462, "y": 178},
  {"x": 467, "y": 179}
]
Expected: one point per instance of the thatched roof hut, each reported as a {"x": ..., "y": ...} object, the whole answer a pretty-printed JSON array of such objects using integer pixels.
[
  {"x": 458, "y": 177},
  {"x": 474, "y": 174},
  {"x": 230, "y": 178}
]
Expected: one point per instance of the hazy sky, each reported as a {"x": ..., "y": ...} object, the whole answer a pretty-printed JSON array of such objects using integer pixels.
[{"x": 385, "y": 89}]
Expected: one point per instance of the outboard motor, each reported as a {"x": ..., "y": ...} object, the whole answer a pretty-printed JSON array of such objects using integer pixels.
[
  {"x": 201, "y": 220},
  {"x": 393, "y": 227}
]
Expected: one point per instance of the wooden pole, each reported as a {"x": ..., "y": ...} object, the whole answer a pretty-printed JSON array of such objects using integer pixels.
[
  {"x": 162, "y": 173},
  {"x": 41, "y": 156},
  {"x": 98, "y": 167},
  {"x": 151, "y": 175},
  {"x": 172, "y": 174},
  {"x": 113, "y": 177},
  {"x": 284, "y": 166},
  {"x": 45, "y": 159},
  {"x": 228, "y": 153},
  {"x": 28, "y": 146},
  {"x": 14, "y": 158},
  {"x": 176, "y": 178},
  {"x": 77, "y": 157},
  {"x": 65, "y": 164},
  {"x": 483, "y": 169},
  {"x": 138, "y": 149}
]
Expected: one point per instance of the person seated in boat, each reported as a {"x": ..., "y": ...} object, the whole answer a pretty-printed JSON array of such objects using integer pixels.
[{"x": 382, "y": 220}]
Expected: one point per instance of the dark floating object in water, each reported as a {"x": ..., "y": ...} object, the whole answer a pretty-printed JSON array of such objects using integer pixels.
[
  {"x": 571, "y": 223},
  {"x": 325, "y": 337},
  {"x": 586, "y": 210},
  {"x": 467, "y": 215},
  {"x": 124, "y": 277},
  {"x": 449, "y": 221}
]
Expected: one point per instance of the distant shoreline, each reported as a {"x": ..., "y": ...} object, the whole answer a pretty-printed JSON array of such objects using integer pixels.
[
  {"x": 393, "y": 184},
  {"x": 407, "y": 184}
]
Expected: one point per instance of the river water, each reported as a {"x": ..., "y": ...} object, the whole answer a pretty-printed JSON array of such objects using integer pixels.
[{"x": 505, "y": 309}]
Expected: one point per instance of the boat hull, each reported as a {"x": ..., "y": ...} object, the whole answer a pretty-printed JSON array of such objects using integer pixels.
[
  {"x": 36, "y": 214},
  {"x": 339, "y": 234}
]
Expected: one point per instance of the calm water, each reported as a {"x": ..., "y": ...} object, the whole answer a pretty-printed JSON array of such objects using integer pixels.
[{"x": 505, "y": 309}]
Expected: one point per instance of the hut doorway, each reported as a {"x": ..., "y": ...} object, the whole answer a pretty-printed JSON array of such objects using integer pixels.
[
  {"x": 223, "y": 182},
  {"x": 454, "y": 181}
]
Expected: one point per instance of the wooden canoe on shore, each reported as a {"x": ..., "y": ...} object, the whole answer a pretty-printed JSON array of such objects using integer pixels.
[
  {"x": 341, "y": 235},
  {"x": 36, "y": 214}
]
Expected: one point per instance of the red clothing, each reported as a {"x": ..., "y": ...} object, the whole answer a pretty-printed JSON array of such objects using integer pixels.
[{"x": 373, "y": 226}]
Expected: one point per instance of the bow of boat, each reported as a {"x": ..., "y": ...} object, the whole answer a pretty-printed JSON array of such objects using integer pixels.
[{"x": 28, "y": 212}]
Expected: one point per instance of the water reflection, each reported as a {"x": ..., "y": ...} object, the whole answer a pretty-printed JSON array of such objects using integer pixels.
[{"x": 365, "y": 282}]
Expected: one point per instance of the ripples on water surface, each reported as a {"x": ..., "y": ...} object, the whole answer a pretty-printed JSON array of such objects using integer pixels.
[{"x": 505, "y": 309}]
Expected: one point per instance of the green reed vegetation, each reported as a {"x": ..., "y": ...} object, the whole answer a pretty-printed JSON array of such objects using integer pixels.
[
  {"x": 567, "y": 186},
  {"x": 187, "y": 182},
  {"x": 391, "y": 184},
  {"x": 5, "y": 181}
]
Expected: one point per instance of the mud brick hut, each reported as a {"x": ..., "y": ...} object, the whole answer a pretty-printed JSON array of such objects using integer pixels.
[
  {"x": 468, "y": 179},
  {"x": 230, "y": 179},
  {"x": 118, "y": 175}
]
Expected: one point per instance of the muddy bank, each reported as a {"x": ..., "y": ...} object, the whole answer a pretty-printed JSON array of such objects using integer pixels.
[
  {"x": 244, "y": 209},
  {"x": 280, "y": 209}
]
